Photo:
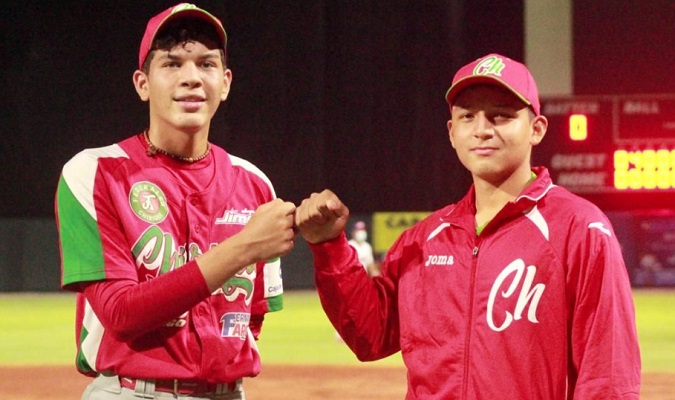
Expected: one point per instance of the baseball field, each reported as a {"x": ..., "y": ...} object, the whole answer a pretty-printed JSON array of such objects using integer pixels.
[{"x": 302, "y": 357}]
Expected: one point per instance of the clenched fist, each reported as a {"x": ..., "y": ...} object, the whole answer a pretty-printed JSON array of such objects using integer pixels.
[
  {"x": 321, "y": 217},
  {"x": 269, "y": 233}
]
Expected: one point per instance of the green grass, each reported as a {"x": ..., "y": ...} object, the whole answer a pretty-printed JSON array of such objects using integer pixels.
[
  {"x": 302, "y": 334},
  {"x": 655, "y": 314},
  {"x": 38, "y": 329}
]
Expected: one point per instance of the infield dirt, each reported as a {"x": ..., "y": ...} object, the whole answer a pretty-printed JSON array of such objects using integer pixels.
[{"x": 279, "y": 382}]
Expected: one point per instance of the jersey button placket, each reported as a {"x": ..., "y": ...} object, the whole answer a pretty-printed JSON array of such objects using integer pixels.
[{"x": 194, "y": 206}]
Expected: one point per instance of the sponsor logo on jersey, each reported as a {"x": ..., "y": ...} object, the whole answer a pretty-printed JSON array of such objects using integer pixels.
[
  {"x": 148, "y": 202},
  {"x": 235, "y": 324},
  {"x": 178, "y": 322},
  {"x": 601, "y": 227},
  {"x": 439, "y": 259},
  {"x": 275, "y": 289},
  {"x": 272, "y": 276},
  {"x": 235, "y": 217},
  {"x": 514, "y": 280}
]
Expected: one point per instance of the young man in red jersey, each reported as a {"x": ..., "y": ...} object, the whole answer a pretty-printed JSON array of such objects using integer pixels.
[
  {"x": 171, "y": 243},
  {"x": 517, "y": 291}
]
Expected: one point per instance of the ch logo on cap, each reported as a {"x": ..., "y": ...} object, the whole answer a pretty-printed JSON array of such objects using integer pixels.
[
  {"x": 183, "y": 6},
  {"x": 489, "y": 66}
]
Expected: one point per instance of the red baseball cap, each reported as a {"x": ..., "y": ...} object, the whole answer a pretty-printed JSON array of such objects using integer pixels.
[
  {"x": 181, "y": 10},
  {"x": 497, "y": 70}
]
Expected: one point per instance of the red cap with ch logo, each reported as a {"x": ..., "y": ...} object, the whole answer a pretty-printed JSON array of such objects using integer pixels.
[
  {"x": 181, "y": 10},
  {"x": 496, "y": 69}
]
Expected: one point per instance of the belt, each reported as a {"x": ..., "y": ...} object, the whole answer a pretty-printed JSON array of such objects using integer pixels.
[{"x": 178, "y": 386}]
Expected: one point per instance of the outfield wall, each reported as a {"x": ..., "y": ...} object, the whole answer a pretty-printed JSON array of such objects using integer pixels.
[
  {"x": 29, "y": 258},
  {"x": 29, "y": 255}
]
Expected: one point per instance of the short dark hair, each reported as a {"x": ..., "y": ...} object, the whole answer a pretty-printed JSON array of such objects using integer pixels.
[{"x": 181, "y": 31}]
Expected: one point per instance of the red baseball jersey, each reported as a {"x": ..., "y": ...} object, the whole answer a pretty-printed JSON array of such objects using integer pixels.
[
  {"x": 538, "y": 306},
  {"x": 124, "y": 215}
]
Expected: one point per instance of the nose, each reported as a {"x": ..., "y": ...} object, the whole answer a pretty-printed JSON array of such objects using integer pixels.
[
  {"x": 484, "y": 126},
  {"x": 190, "y": 75}
]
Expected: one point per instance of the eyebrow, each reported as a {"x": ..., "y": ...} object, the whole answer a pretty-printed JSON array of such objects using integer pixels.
[
  {"x": 500, "y": 105},
  {"x": 208, "y": 56}
]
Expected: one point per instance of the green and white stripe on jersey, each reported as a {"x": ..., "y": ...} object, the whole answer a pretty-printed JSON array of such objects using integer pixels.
[{"x": 81, "y": 247}]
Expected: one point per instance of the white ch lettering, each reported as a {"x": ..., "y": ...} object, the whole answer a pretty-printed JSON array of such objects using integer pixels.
[{"x": 528, "y": 294}]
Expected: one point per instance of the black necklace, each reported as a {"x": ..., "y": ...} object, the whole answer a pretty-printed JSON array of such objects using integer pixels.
[{"x": 152, "y": 150}]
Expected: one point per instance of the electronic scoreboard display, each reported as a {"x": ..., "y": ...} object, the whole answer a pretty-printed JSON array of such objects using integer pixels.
[{"x": 612, "y": 148}]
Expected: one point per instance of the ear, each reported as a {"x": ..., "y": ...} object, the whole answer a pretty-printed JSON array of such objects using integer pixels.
[
  {"x": 539, "y": 126},
  {"x": 141, "y": 85},
  {"x": 450, "y": 136},
  {"x": 227, "y": 80}
]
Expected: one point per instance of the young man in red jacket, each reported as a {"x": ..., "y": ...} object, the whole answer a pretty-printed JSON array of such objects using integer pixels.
[{"x": 517, "y": 291}]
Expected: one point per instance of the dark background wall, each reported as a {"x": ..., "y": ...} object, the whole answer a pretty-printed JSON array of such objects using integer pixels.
[
  {"x": 340, "y": 94},
  {"x": 623, "y": 46}
]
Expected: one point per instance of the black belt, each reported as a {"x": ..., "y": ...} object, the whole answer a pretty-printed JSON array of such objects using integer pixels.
[{"x": 179, "y": 386}]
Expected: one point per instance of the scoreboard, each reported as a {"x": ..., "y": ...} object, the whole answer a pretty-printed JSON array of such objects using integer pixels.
[{"x": 611, "y": 147}]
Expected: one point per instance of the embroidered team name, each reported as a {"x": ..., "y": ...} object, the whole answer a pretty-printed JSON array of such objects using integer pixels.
[
  {"x": 235, "y": 217},
  {"x": 520, "y": 285},
  {"x": 439, "y": 260},
  {"x": 490, "y": 66},
  {"x": 235, "y": 325}
]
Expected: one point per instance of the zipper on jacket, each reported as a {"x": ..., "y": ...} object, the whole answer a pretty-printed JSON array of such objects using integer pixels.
[{"x": 467, "y": 340}]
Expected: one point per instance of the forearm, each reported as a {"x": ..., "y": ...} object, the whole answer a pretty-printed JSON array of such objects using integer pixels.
[
  {"x": 360, "y": 308},
  {"x": 223, "y": 261},
  {"x": 267, "y": 235},
  {"x": 128, "y": 309}
]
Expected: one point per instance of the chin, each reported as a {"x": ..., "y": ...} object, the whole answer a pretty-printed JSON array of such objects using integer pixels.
[
  {"x": 192, "y": 124},
  {"x": 488, "y": 173}
]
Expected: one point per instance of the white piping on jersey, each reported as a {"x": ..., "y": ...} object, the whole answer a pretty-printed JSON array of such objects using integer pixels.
[
  {"x": 91, "y": 344},
  {"x": 438, "y": 230},
  {"x": 550, "y": 186},
  {"x": 535, "y": 216},
  {"x": 80, "y": 172},
  {"x": 247, "y": 165}
]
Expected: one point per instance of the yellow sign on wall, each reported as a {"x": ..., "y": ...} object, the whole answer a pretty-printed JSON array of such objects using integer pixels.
[{"x": 388, "y": 226}]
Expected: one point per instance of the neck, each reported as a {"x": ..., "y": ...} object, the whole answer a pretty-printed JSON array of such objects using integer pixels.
[
  {"x": 491, "y": 198},
  {"x": 187, "y": 157}
]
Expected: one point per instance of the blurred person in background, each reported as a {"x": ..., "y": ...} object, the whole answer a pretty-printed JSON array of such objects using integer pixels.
[{"x": 359, "y": 241}]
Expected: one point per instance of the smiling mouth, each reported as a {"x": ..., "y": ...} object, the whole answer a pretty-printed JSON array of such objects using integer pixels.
[
  {"x": 191, "y": 99},
  {"x": 483, "y": 150},
  {"x": 191, "y": 104}
]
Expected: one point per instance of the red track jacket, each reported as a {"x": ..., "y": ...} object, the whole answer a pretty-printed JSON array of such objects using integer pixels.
[{"x": 538, "y": 306}]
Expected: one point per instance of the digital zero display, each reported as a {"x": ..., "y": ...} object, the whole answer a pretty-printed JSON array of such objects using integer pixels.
[{"x": 610, "y": 144}]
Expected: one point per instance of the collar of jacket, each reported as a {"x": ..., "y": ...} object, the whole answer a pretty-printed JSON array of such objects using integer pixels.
[{"x": 464, "y": 211}]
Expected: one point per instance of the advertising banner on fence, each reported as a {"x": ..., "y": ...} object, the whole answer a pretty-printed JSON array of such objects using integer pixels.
[{"x": 388, "y": 226}]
